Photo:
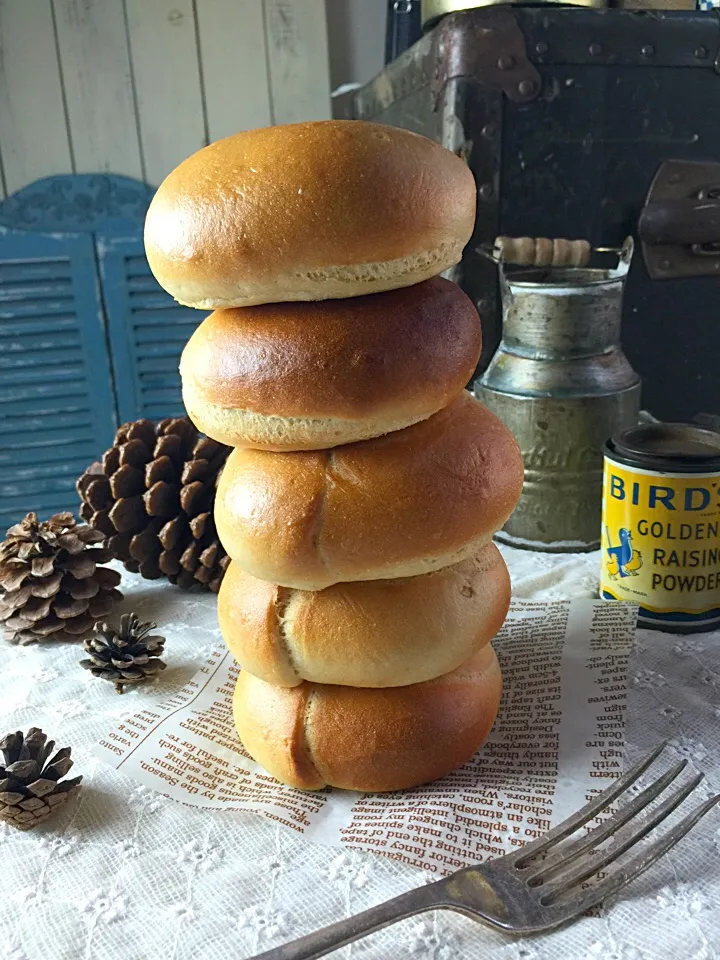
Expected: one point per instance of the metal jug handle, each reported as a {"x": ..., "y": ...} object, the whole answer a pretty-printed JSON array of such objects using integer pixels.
[
  {"x": 625, "y": 259},
  {"x": 543, "y": 252},
  {"x": 506, "y": 295}
]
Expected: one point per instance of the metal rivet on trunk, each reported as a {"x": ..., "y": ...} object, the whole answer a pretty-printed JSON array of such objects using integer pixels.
[
  {"x": 701, "y": 53},
  {"x": 486, "y": 191},
  {"x": 594, "y": 49},
  {"x": 488, "y": 131},
  {"x": 526, "y": 88},
  {"x": 647, "y": 50},
  {"x": 506, "y": 62},
  {"x": 541, "y": 47}
]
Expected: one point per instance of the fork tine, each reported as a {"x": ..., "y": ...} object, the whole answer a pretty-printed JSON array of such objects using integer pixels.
[
  {"x": 641, "y": 862},
  {"x": 592, "y": 865},
  {"x": 599, "y": 834},
  {"x": 587, "y": 812}
]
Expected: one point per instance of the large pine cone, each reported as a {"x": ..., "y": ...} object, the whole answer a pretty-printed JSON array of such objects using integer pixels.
[
  {"x": 152, "y": 495},
  {"x": 51, "y": 583}
]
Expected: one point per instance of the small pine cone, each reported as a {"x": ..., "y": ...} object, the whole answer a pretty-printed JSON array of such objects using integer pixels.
[
  {"x": 125, "y": 655},
  {"x": 152, "y": 495},
  {"x": 52, "y": 584},
  {"x": 30, "y": 784}
]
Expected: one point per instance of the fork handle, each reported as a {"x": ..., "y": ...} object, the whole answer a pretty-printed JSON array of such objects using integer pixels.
[{"x": 339, "y": 934}]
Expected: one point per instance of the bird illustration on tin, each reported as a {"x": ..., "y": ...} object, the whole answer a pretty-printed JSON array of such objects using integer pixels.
[{"x": 623, "y": 560}]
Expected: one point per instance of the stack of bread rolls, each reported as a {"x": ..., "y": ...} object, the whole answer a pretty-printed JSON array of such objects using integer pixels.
[{"x": 361, "y": 498}]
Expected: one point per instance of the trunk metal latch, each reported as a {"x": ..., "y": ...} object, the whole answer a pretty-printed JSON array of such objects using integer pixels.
[{"x": 679, "y": 225}]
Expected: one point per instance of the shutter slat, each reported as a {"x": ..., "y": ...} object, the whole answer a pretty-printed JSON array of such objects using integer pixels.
[
  {"x": 162, "y": 349},
  {"x": 172, "y": 314},
  {"x": 23, "y": 271},
  {"x": 158, "y": 380},
  {"x": 28, "y": 377},
  {"x": 150, "y": 364},
  {"x": 61, "y": 468},
  {"x": 43, "y": 392},
  {"x": 40, "y": 290},
  {"x": 177, "y": 333},
  {"x": 44, "y": 504},
  {"x": 156, "y": 396},
  {"x": 41, "y": 341},
  {"x": 21, "y": 486},
  {"x": 159, "y": 412},
  {"x": 28, "y": 432},
  {"x": 151, "y": 299},
  {"x": 141, "y": 284},
  {"x": 46, "y": 325},
  {"x": 80, "y": 450},
  {"x": 18, "y": 359},
  {"x": 36, "y": 308}
]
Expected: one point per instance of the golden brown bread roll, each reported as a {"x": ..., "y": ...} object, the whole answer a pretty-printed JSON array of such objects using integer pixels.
[
  {"x": 377, "y": 633},
  {"x": 303, "y": 376},
  {"x": 362, "y": 739},
  {"x": 395, "y": 506},
  {"x": 309, "y": 211}
]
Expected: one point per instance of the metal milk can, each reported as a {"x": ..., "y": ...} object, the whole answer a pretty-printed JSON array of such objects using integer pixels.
[{"x": 560, "y": 381}]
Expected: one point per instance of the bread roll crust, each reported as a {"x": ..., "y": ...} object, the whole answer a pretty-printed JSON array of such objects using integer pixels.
[
  {"x": 395, "y": 506},
  {"x": 312, "y": 375},
  {"x": 377, "y": 633},
  {"x": 370, "y": 740},
  {"x": 308, "y": 211}
]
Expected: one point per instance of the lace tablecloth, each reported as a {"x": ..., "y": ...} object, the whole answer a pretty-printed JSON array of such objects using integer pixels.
[{"x": 124, "y": 873}]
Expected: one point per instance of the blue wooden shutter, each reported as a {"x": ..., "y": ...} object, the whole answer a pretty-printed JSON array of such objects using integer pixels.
[
  {"x": 56, "y": 400},
  {"x": 148, "y": 330}
]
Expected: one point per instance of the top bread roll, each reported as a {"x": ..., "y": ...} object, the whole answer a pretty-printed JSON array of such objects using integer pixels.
[
  {"x": 303, "y": 376},
  {"x": 396, "y": 506},
  {"x": 310, "y": 211}
]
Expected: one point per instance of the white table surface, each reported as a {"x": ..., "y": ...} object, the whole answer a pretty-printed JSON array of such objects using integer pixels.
[{"x": 125, "y": 873}]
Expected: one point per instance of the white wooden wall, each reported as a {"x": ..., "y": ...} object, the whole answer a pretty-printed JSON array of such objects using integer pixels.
[{"x": 135, "y": 86}]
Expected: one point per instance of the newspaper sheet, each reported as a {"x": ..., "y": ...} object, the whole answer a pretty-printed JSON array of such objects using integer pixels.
[{"x": 558, "y": 740}]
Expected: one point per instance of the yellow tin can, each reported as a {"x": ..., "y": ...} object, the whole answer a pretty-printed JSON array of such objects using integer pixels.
[{"x": 661, "y": 525}]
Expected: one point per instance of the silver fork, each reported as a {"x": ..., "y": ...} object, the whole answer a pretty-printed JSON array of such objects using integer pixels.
[{"x": 536, "y": 887}]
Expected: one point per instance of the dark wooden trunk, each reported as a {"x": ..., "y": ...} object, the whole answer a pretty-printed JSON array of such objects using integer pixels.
[{"x": 565, "y": 136}]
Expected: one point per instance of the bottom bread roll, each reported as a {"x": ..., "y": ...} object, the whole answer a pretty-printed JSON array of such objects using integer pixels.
[{"x": 356, "y": 738}]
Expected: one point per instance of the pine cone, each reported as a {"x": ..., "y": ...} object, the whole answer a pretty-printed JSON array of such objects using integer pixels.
[
  {"x": 153, "y": 495},
  {"x": 30, "y": 786},
  {"x": 51, "y": 584},
  {"x": 127, "y": 655}
]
